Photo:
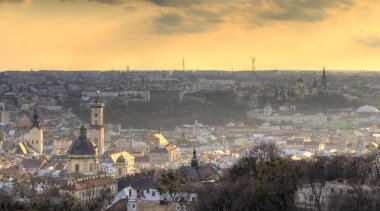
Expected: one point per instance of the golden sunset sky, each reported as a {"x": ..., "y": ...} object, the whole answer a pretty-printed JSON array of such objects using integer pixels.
[{"x": 210, "y": 34}]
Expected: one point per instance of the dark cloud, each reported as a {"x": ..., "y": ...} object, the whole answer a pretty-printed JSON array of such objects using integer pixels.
[
  {"x": 170, "y": 20},
  {"x": 296, "y": 10},
  {"x": 192, "y": 20},
  {"x": 207, "y": 13},
  {"x": 109, "y": 1},
  {"x": 201, "y": 15},
  {"x": 176, "y": 3},
  {"x": 12, "y": 1}
]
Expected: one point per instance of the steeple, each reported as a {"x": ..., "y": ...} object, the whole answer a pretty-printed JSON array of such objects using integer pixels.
[
  {"x": 97, "y": 97},
  {"x": 324, "y": 73},
  {"x": 36, "y": 119},
  {"x": 194, "y": 160},
  {"x": 324, "y": 80}
]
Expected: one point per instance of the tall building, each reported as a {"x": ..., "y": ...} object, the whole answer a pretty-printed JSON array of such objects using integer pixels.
[
  {"x": 36, "y": 134},
  {"x": 32, "y": 143},
  {"x": 97, "y": 125}
]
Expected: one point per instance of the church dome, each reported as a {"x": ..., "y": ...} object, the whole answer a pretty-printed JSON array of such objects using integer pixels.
[
  {"x": 367, "y": 109},
  {"x": 120, "y": 159},
  {"x": 83, "y": 146}
]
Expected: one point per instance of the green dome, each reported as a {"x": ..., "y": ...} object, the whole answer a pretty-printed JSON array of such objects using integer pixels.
[{"x": 120, "y": 159}]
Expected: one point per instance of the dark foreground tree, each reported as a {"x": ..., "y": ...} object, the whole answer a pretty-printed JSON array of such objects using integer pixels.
[{"x": 263, "y": 181}]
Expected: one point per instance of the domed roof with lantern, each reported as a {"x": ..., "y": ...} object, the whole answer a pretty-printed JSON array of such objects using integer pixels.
[
  {"x": 83, "y": 145},
  {"x": 120, "y": 159}
]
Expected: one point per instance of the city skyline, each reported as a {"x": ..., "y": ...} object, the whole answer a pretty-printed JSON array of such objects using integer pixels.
[{"x": 210, "y": 35}]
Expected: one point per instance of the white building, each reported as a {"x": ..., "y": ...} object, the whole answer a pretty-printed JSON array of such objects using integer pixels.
[{"x": 270, "y": 115}]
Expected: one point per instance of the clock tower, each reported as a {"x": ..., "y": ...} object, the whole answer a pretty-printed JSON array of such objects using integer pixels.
[{"x": 97, "y": 124}]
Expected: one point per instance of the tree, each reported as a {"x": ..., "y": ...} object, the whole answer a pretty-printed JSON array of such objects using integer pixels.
[
  {"x": 262, "y": 181},
  {"x": 315, "y": 177},
  {"x": 171, "y": 184}
]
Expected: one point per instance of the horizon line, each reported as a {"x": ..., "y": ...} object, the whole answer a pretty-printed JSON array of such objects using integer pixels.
[{"x": 198, "y": 70}]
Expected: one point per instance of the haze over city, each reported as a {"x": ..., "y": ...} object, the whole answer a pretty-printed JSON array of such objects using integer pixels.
[{"x": 210, "y": 34}]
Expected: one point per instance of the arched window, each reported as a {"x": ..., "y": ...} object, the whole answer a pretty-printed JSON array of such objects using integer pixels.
[
  {"x": 76, "y": 167},
  {"x": 90, "y": 167},
  {"x": 119, "y": 171}
]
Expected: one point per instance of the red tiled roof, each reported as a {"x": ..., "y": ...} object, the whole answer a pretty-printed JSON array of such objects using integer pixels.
[
  {"x": 84, "y": 183},
  {"x": 23, "y": 124}
]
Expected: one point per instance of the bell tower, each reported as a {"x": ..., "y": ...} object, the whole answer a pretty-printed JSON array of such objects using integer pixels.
[
  {"x": 36, "y": 134},
  {"x": 97, "y": 124}
]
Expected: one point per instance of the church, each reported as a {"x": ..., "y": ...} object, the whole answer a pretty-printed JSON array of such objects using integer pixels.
[
  {"x": 32, "y": 143},
  {"x": 85, "y": 180},
  {"x": 83, "y": 156}
]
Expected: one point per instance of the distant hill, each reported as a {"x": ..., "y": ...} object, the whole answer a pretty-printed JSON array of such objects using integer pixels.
[{"x": 216, "y": 108}]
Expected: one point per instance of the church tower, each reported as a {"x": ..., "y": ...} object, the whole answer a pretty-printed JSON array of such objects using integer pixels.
[
  {"x": 194, "y": 160},
  {"x": 97, "y": 124},
  {"x": 324, "y": 81},
  {"x": 35, "y": 136}
]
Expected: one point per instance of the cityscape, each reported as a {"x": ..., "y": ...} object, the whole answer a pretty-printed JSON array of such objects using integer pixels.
[
  {"x": 76, "y": 133},
  {"x": 176, "y": 105}
]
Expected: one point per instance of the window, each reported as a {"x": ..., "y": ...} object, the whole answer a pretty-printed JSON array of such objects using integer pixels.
[
  {"x": 95, "y": 114},
  {"x": 96, "y": 122},
  {"x": 134, "y": 205},
  {"x": 76, "y": 167},
  {"x": 36, "y": 141},
  {"x": 153, "y": 193},
  {"x": 119, "y": 171},
  {"x": 90, "y": 167},
  {"x": 332, "y": 190},
  {"x": 130, "y": 192}
]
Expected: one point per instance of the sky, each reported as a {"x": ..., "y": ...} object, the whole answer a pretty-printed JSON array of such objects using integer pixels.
[{"x": 209, "y": 34}]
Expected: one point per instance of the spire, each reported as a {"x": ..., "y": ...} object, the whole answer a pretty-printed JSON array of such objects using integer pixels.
[
  {"x": 324, "y": 72},
  {"x": 36, "y": 118},
  {"x": 194, "y": 160},
  {"x": 83, "y": 132},
  {"x": 324, "y": 80},
  {"x": 97, "y": 96}
]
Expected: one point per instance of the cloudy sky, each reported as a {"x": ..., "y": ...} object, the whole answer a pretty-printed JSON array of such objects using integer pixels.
[{"x": 210, "y": 34}]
